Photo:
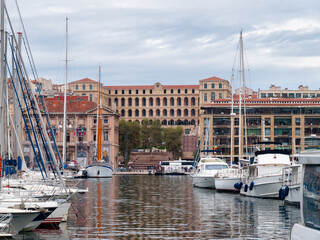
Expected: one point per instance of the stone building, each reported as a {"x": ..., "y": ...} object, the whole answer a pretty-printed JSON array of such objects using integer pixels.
[{"x": 81, "y": 130}]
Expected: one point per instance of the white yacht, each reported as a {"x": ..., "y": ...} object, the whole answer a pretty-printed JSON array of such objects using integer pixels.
[
  {"x": 206, "y": 171},
  {"x": 227, "y": 178},
  {"x": 309, "y": 228},
  {"x": 265, "y": 173}
]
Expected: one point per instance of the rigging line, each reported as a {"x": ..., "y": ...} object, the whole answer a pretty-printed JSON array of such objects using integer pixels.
[{"x": 36, "y": 103}]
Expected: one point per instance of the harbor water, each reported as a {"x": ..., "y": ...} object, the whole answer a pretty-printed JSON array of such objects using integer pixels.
[{"x": 168, "y": 207}]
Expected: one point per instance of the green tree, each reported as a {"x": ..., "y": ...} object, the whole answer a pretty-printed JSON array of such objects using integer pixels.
[
  {"x": 151, "y": 134},
  {"x": 173, "y": 141},
  {"x": 129, "y": 138},
  {"x": 145, "y": 135}
]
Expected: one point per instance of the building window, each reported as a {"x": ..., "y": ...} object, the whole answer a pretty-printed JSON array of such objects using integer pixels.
[
  {"x": 158, "y": 112},
  {"x": 205, "y": 85},
  {"x": 171, "y": 90},
  {"x": 298, "y": 131},
  {"x": 130, "y": 102},
  {"x": 165, "y": 102},
  {"x": 122, "y": 91},
  {"x": 171, "y": 112},
  {"x": 68, "y": 137},
  {"x": 94, "y": 136},
  {"x": 193, "y": 112},
  {"x": 150, "y": 91},
  {"x": 298, "y": 120},
  {"x": 83, "y": 94},
  {"x": 137, "y": 113},
  {"x": 220, "y": 85},
  {"x": 213, "y": 96},
  {"x": 90, "y": 97},
  {"x": 179, "y": 112},
  {"x": 137, "y": 102},
  {"x": 305, "y": 95},
  {"x": 267, "y": 131},
  {"x": 205, "y": 97},
  {"x": 150, "y": 113},
  {"x": 291, "y": 95},
  {"x": 105, "y": 136},
  {"x": 186, "y": 91},
  {"x": 165, "y": 112},
  {"x": 105, "y": 121},
  {"x": 179, "y": 101},
  {"x": 123, "y": 102},
  {"x": 298, "y": 95},
  {"x": 83, "y": 87},
  {"x": 158, "y": 101},
  {"x": 263, "y": 95},
  {"x": 186, "y": 112},
  {"x": 90, "y": 86},
  {"x": 270, "y": 94},
  {"x": 130, "y": 113},
  {"x": 164, "y": 91},
  {"x": 178, "y": 90},
  {"x": 172, "y": 101},
  {"x": 150, "y": 101},
  {"x": 312, "y": 95},
  {"x": 122, "y": 113},
  {"x": 144, "y": 102},
  {"x": 192, "y": 90},
  {"x": 144, "y": 112},
  {"x": 116, "y": 91},
  {"x": 144, "y": 91},
  {"x": 186, "y": 101},
  {"x": 212, "y": 85},
  {"x": 137, "y": 91},
  {"x": 220, "y": 95},
  {"x": 267, "y": 121},
  {"x": 130, "y": 91},
  {"x": 77, "y": 87}
]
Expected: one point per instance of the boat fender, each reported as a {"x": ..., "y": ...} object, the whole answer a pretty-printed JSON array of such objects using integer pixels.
[
  {"x": 283, "y": 196},
  {"x": 280, "y": 193},
  {"x": 286, "y": 191},
  {"x": 246, "y": 188},
  {"x": 240, "y": 185},
  {"x": 251, "y": 185},
  {"x": 236, "y": 185}
]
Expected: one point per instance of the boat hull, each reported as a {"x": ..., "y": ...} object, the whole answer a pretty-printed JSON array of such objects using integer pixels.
[
  {"x": 57, "y": 216},
  {"x": 226, "y": 184},
  {"x": 293, "y": 195},
  {"x": 203, "y": 181},
  {"x": 99, "y": 171},
  {"x": 264, "y": 187}
]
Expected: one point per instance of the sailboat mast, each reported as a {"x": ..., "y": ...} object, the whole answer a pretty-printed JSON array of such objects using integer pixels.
[
  {"x": 99, "y": 122},
  {"x": 240, "y": 96},
  {"x": 64, "y": 159},
  {"x": 2, "y": 85},
  {"x": 232, "y": 114}
]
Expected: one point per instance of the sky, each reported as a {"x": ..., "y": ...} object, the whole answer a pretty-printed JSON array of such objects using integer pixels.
[{"x": 141, "y": 42}]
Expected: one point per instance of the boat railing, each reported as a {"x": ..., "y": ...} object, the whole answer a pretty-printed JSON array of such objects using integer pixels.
[
  {"x": 5, "y": 220},
  {"x": 290, "y": 177},
  {"x": 249, "y": 177}
]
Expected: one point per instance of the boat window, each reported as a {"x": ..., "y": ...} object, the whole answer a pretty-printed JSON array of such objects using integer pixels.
[
  {"x": 311, "y": 201},
  {"x": 215, "y": 167}
]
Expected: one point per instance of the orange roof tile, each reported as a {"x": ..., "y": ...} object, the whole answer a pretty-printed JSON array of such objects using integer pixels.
[
  {"x": 84, "y": 80},
  {"x": 74, "y": 105},
  {"x": 214, "y": 78},
  {"x": 151, "y": 87}
]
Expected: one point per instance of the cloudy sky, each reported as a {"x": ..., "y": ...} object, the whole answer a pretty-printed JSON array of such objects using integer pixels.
[{"x": 175, "y": 41}]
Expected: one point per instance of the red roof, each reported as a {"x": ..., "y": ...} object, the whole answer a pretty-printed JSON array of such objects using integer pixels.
[
  {"x": 78, "y": 104},
  {"x": 151, "y": 87},
  {"x": 83, "y": 80},
  {"x": 214, "y": 78}
]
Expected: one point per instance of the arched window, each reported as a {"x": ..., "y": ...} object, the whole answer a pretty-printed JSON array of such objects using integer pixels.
[
  {"x": 164, "y": 122},
  {"x": 144, "y": 102},
  {"x": 171, "y": 112},
  {"x": 179, "y": 101},
  {"x": 137, "y": 102},
  {"x": 165, "y": 91},
  {"x": 158, "y": 112},
  {"x": 192, "y": 90},
  {"x": 130, "y": 102},
  {"x": 171, "y": 122},
  {"x": 172, "y": 101},
  {"x": 130, "y": 113},
  {"x": 137, "y": 113},
  {"x": 178, "y": 90},
  {"x": 186, "y": 91},
  {"x": 205, "y": 85},
  {"x": 130, "y": 91},
  {"x": 158, "y": 101},
  {"x": 212, "y": 85},
  {"x": 123, "y": 102},
  {"x": 116, "y": 101},
  {"x": 109, "y": 102},
  {"x": 116, "y": 91},
  {"x": 150, "y": 101},
  {"x": 185, "y": 122},
  {"x": 123, "y": 113},
  {"x": 150, "y": 113},
  {"x": 193, "y": 122},
  {"x": 171, "y": 90},
  {"x": 186, "y": 112},
  {"x": 186, "y": 101},
  {"x": 137, "y": 91},
  {"x": 179, "y": 112},
  {"x": 165, "y": 112},
  {"x": 150, "y": 91},
  {"x": 193, "y": 101},
  {"x": 220, "y": 85},
  {"x": 144, "y": 112},
  {"x": 193, "y": 112},
  {"x": 165, "y": 101},
  {"x": 213, "y": 96}
]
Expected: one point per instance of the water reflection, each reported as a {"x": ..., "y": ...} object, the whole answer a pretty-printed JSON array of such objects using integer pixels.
[{"x": 163, "y": 207}]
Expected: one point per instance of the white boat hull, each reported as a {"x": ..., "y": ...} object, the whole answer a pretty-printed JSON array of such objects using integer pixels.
[
  {"x": 99, "y": 171},
  {"x": 226, "y": 184},
  {"x": 58, "y": 215},
  {"x": 203, "y": 181},
  {"x": 264, "y": 187},
  {"x": 300, "y": 232},
  {"x": 293, "y": 195}
]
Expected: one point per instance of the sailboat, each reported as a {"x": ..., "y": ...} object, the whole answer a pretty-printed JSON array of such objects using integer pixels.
[
  {"x": 227, "y": 179},
  {"x": 99, "y": 168}
]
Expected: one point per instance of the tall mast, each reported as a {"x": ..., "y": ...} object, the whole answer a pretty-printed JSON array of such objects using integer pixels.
[
  {"x": 64, "y": 161},
  {"x": 2, "y": 84},
  {"x": 241, "y": 77},
  {"x": 232, "y": 114},
  {"x": 99, "y": 122}
]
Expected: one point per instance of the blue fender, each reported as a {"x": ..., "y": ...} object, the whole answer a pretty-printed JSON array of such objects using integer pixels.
[
  {"x": 251, "y": 185},
  {"x": 246, "y": 188}
]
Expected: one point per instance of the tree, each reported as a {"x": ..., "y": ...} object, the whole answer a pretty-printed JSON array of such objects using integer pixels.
[
  {"x": 129, "y": 138},
  {"x": 173, "y": 141},
  {"x": 151, "y": 134},
  {"x": 145, "y": 135}
]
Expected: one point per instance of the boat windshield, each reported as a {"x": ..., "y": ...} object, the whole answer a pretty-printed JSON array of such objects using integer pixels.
[
  {"x": 311, "y": 193},
  {"x": 215, "y": 167}
]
